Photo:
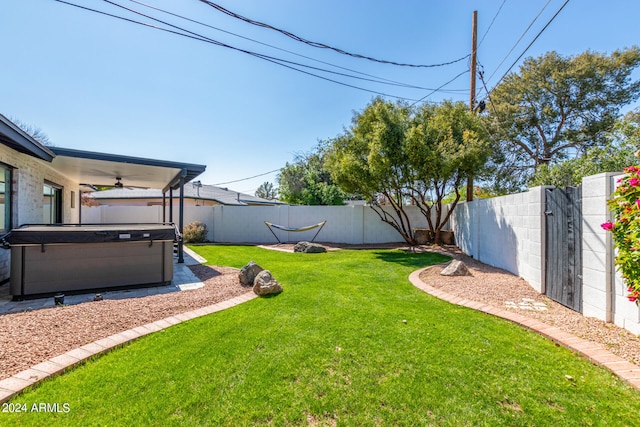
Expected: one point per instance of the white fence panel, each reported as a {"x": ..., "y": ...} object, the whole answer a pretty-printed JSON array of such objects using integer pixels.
[
  {"x": 245, "y": 224},
  {"x": 121, "y": 214},
  {"x": 203, "y": 214}
]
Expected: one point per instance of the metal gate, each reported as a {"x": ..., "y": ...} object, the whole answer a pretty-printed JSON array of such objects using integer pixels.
[{"x": 563, "y": 256}]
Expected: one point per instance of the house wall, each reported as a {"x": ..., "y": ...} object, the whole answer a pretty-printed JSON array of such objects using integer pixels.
[{"x": 29, "y": 175}]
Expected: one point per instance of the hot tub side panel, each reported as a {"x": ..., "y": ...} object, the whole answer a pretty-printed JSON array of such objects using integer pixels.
[{"x": 86, "y": 266}]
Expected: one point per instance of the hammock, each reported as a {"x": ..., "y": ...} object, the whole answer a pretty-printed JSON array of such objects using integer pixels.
[{"x": 294, "y": 230}]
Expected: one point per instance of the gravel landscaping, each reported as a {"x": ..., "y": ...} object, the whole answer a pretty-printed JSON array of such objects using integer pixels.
[
  {"x": 501, "y": 289},
  {"x": 29, "y": 338}
]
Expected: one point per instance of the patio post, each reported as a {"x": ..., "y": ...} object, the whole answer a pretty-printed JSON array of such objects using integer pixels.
[
  {"x": 181, "y": 219},
  {"x": 164, "y": 206},
  {"x": 171, "y": 205}
]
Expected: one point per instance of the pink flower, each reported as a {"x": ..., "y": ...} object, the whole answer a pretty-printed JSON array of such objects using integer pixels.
[
  {"x": 632, "y": 298},
  {"x": 607, "y": 226},
  {"x": 634, "y": 182},
  {"x": 638, "y": 203}
]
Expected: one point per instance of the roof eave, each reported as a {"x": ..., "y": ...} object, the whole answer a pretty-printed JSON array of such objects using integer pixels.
[{"x": 16, "y": 138}]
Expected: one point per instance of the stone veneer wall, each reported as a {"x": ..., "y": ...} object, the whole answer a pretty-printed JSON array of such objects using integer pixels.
[{"x": 29, "y": 175}]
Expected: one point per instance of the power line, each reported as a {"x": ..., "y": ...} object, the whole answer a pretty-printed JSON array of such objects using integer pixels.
[
  {"x": 492, "y": 21},
  {"x": 251, "y": 177},
  {"x": 199, "y": 37},
  {"x": 279, "y": 48},
  {"x": 532, "y": 42},
  {"x": 520, "y": 39},
  {"x": 441, "y": 86},
  {"x": 265, "y": 56},
  {"x": 322, "y": 45}
]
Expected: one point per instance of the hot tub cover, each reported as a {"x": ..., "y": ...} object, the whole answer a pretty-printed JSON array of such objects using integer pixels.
[{"x": 44, "y": 234}]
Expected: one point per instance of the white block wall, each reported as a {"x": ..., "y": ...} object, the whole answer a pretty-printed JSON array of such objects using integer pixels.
[
  {"x": 244, "y": 224},
  {"x": 604, "y": 291},
  {"x": 597, "y": 247},
  {"x": 506, "y": 232},
  {"x": 345, "y": 224},
  {"x": 121, "y": 214}
]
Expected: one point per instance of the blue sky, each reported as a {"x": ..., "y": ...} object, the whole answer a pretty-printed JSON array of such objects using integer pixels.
[{"x": 92, "y": 82}]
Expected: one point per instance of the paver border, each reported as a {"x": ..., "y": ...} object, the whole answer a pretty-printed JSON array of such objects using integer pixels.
[
  {"x": 594, "y": 352},
  {"x": 14, "y": 385}
]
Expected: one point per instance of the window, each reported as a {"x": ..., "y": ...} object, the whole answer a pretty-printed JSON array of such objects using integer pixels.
[
  {"x": 52, "y": 204},
  {"x": 5, "y": 198}
]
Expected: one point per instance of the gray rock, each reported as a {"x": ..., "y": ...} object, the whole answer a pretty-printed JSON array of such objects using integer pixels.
[
  {"x": 265, "y": 284},
  {"x": 248, "y": 273},
  {"x": 456, "y": 268},
  {"x": 309, "y": 248}
]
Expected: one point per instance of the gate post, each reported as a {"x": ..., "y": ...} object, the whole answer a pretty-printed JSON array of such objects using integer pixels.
[{"x": 597, "y": 247}]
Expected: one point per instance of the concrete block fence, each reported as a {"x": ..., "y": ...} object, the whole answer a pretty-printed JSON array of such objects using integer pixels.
[
  {"x": 509, "y": 232},
  {"x": 506, "y": 232},
  {"x": 245, "y": 224}
]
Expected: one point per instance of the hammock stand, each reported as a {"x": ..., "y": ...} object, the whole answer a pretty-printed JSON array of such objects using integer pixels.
[{"x": 294, "y": 230}]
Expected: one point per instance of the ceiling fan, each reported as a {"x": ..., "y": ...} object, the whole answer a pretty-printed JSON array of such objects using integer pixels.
[
  {"x": 119, "y": 185},
  {"x": 120, "y": 182}
]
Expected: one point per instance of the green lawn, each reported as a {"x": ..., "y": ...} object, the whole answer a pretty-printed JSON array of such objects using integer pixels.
[{"x": 333, "y": 349}]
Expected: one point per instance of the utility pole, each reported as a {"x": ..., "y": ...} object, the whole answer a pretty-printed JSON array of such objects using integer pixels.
[{"x": 472, "y": 97}]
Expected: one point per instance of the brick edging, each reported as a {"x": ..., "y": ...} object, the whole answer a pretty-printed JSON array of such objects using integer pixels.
[
  {"x": 14, "y": 385},
  {"x": 590, "y": 350}
]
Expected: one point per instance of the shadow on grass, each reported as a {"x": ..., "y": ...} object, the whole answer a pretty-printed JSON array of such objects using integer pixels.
[{"x": 411, "y": 259}]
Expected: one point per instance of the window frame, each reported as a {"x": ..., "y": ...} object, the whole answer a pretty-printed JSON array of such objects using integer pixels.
[
  {"x": 56, "y": 211},
  {"x": 7, "y": 170}
]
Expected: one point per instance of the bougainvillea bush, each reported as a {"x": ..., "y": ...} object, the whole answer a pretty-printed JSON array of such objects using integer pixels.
[{"x": 625, "y": 205}]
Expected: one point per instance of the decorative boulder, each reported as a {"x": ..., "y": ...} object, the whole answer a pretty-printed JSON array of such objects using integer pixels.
[
  {"x": 248, "y": 273},
  {"x": 309, "y": 248},
  {"x": 456, "y": 268},
  {"x": 265, "y": 284}
]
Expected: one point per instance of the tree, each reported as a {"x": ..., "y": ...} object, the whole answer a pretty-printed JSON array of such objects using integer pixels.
[
  {"x": 307, "y": 181},
  {"x": 266, "y": 191},
  {"x": 617, "y": 153},
  {"x": 401, "y": 155},
  {"x": 34, "y": 131},
  {"x": 558, "y": 106}
]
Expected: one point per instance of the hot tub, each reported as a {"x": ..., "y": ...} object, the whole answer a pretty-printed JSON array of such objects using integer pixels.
[{"x": 67, "y": 258}]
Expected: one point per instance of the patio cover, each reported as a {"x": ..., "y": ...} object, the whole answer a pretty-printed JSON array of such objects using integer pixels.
[
  {"x": 92, "y": 169},
  {"x": 101, "y": 169}
]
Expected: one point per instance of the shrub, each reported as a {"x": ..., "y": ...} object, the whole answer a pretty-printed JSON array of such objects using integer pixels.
[
  {"x": 625, "y": 205},
  {"x": 195, "y": 232}
]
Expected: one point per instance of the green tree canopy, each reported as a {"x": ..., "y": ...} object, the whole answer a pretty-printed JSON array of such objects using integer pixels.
[
  {"x": 558, "y": 106},
  {"x": 307, "y": 181},
  {"x": 396, "y": 155},
  {"x": 266, "y": 191},
  {"x": 617, "y": 153}
]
